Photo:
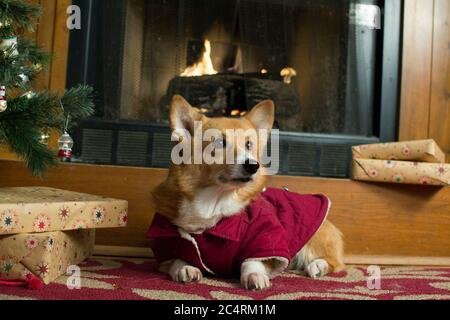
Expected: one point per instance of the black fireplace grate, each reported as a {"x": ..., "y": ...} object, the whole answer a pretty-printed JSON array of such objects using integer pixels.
[
  {"x": 334, "y": 160},
  {"x": 132, "y": 147},
  {"x": 301, "y": 158},
  {"x": 161, "y": 149},
  {"x": 97, "y": 145}
]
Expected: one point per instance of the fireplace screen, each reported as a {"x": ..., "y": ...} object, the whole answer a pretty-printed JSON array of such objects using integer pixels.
[{"x": 320, "y": 61}]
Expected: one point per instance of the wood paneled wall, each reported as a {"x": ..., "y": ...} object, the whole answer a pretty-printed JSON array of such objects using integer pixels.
[
  {"x": 53, "y": 36},
  {"x": 425, "y": 109}
]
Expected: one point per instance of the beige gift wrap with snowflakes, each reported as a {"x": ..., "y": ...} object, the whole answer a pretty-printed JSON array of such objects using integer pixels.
[
  {"x": 41, "y": 209},
  {"x": 406, "y": 172},
  {"x": 419, "y": 150},
  {"x": 46, "y": 255}
]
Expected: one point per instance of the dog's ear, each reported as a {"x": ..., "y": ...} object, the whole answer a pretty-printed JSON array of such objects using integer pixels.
[
  {"x": 262, "y": 115},
  {"x": 183, "y": 115}
]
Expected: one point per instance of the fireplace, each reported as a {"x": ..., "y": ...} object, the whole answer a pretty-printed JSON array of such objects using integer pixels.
[{"x": 331, "y": 67}]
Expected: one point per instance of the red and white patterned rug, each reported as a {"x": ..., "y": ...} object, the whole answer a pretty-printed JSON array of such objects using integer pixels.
[{"x": 111, "y": 279}]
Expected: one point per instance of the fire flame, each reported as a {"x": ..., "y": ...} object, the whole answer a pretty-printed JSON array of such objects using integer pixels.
[{"x": 202, "y": 67}]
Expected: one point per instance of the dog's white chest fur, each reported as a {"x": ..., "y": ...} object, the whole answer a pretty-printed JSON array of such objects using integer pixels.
[{"x": 207, "y": 208}]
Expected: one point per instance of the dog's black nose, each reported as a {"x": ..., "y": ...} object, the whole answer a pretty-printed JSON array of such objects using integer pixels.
[{"x": 251, "y": 168}]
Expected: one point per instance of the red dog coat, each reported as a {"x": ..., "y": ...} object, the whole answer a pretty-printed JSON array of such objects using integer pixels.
[{"x": 274, "y": 226}]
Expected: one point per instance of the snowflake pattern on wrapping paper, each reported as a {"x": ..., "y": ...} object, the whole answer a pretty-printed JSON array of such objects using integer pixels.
[
  {"x": 24, "y": 274},
  {"x": 41, "y": 223},
  {"x": 31, "y": 242},
  {"x": 123, "y": 218},
  {"x": 42, "y": 269},
  {"x": 406, "y": 151},
  {"x": 398, "y": 178},
  {"x": 373, "y": 173},
  {"x": 64, "y": 213},
  {"x": 389, "y": 164},
  {"x": 6, "y": 265},
  {"x": 441, "y": 170},
  {"x": 98, "y": 215},
  {"x": 424, "y": 180},
  {"x": 8, "y": 220},
  {"x": 49, "y": 243}
]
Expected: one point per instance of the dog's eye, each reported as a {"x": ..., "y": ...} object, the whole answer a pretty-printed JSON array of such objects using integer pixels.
[{"x": 249, "y": 145}]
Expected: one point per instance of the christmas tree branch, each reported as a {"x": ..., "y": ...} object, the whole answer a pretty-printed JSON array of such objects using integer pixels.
[
  {"x": 39, "y": 110},
  {"x": 22, "y": 124},
  {"x": 49, "y": 110},
  {"x": 31, "y": 53},
  {"x": 24, "y": 141},
  {"x": 17, "y": 16},
  {"x": 77, "y": 103},
  {"x": 28, "y": 62}
]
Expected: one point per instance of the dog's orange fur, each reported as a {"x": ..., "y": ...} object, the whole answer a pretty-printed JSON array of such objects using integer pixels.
[
  {"x": 328, "y": 244},
  {"x": 185, "y": 181}
]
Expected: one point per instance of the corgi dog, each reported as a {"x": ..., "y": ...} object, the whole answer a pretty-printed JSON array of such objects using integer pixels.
[{"x": 196, "y": 197}]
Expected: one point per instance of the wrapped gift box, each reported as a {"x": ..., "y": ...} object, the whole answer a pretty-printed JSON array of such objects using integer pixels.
[
  {"x": 406, "y": 172},
  {"x": 419, "y": 151},
  {"x": 45, "y": 230},
  {"x": 46, "y": 255},
  {"x": 41, "y": 209}
]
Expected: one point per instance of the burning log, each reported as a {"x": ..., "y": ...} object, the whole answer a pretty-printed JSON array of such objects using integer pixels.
[
  {"x": 202, "y": 67},
  {"x": 223, "y": 94}
]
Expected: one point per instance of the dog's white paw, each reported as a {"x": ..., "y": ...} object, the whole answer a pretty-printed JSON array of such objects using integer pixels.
[
  {"x": 188, "y": 274},
  {"x": 318, "y": 268},
  {"x": 255, "y": 281},
  {"x": 180, "y": 271}
]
